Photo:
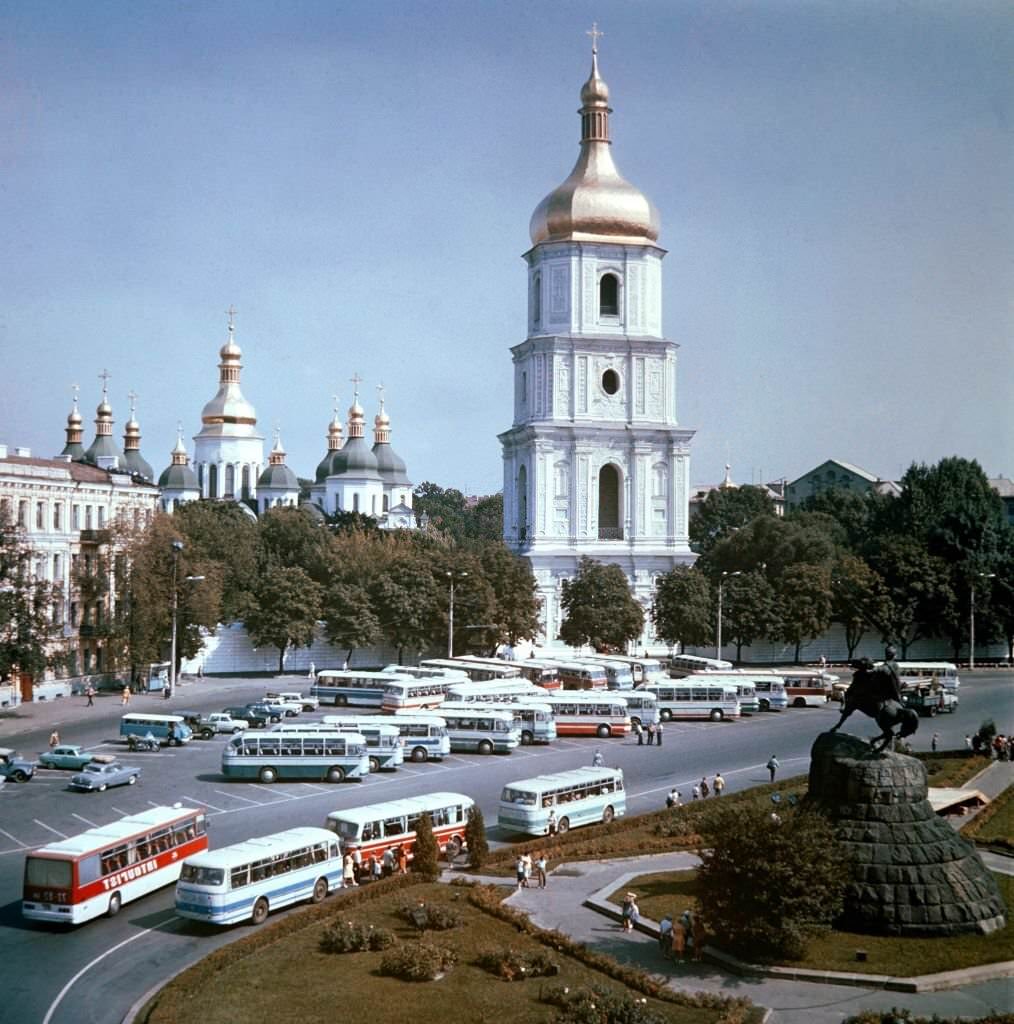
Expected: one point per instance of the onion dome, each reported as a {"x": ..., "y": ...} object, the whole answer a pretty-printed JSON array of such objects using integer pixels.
[
  {"x": 103, "y": 445},
  {"x": 727, "y": 484},
  {"x": 334, "y": 443},
  {"x": 132, "y": 458},
  {"x": 355, "y": 458},
  {"x": 277, "y": 475},
  {"x": 229, "y": 409},
  {"x": 595, "y": 203},
  {"x": 178, "y": 476},
  {"x": 389, "y": 464},
  {"x": 73, "y": 447}
]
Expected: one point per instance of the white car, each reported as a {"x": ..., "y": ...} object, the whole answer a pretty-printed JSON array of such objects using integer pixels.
[
  {"x": 290, "y": 708},
  {"x": 291, "y": 697},
  {"x": 221, "y": 722}
]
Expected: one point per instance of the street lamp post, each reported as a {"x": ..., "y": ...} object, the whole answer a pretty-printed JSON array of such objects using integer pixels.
[
  {"x": 718, "y": 630},
  {"x": 450, "y": 613},
  {"x": 177, "y": 547},
  {"x": 971, "y": 620}
]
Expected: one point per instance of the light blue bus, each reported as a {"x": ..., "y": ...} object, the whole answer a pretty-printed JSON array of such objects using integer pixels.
[
  {"x": 582, "y": 796},
  {"x": 247, "y": 880},
  {"x": 305, "y": 756},
  {"x": 535, "y": 720},
  {"x": 355, "y": 689},
  {"x": 167, "y": 729},
  {"x": 476, "y": 730},
  {"x": 423, "y": 737},
  {"x": 383, "y": 742}
]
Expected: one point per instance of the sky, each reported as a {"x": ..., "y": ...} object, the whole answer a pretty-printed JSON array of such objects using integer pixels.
[{"x": 356, "y": 178}]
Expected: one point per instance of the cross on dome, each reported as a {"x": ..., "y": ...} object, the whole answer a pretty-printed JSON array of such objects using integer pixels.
[
  {"x": 132, "y": 398},
  {"x": 596, "y": 35},
  {"x": 104, "y": 376},
  {"x": 231, "y": 314}
]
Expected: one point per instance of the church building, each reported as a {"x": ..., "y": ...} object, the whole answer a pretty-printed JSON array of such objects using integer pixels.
[{"x": 596, "y": 462}]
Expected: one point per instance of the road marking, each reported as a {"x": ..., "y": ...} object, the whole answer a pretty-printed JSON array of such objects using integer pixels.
[
  {"x": 311, "y": 785},
  {"x": 55, "y": 831},
  {"x": 14, "y": 839},
  {"x": 87, "y": 967},
  {"x": 85, "y": 820},
  {"x": 236, "y": 796},
  {"x": 256, "y": 785},
  {"x": 201, "y": 803},
  {"x": 123, "y": 814}
]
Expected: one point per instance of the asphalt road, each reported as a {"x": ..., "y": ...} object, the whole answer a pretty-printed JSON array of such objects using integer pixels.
[{"x": 95, "y": 972}]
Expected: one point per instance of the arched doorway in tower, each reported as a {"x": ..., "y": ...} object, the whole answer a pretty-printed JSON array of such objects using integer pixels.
[
  {"x": 610, "y": 527},
  {"x": 522, "y": 504}
]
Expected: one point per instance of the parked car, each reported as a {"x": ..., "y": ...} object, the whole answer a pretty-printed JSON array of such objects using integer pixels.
[
  {"x": 281, "y": 709},
  {"x": 68, "y": 757},
  {"x": 198, "y": 724},
  {"x": 291, "y": 697},
  {"x": 272, "y": 713},
  {"x": 104, "y": 772},
  {"x": 222, "y": 722},
  {"x": 14, "y": 767},
  {"x": 255, "y": 719}
]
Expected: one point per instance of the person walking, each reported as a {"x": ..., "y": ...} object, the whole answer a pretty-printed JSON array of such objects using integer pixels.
[
  {"x": 402, "y": 860},
  {"x": 90, "y": 694},
  {"x": 695, "y": 793},
  {"x": 631, "y": 913},
  {"x": 349, "y": 871},
  {"x": 519, "y": 872},
  {"x": 540, "y": 869},
  {"x": 54, "y": 739},
  {"x": 658, "y": 734},
  {"x": 704, "y": 789},
  {"x": 772, "y": 766},
  {"x": 312, "y": 674},
  {"x": 526, "y": 859},
  {"x": 679, "y": 941},
  {"x": 934, "y": 741},
  {"x": 968, "y": 742},
  {"x": 651, "y": 733},
  {"x": 639, "y": 733},
  {"x": 357, "y": 864},
  {"x": 719, "y": 784},
  {"x": 376, "y": 868},
  {"x": 597, "y": 760},
  {"x": 673, "y": 799},
  {"x": 551, "y": 825},
  {"x": 125, "y": 696}
]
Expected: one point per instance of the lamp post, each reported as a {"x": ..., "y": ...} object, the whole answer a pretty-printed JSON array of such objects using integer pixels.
[
  {"x": 971, "y": 621},
  {"x": 452, "y": 576},
  {"x": 177, "y": 547},
  {"x": 718, "y": 631}
]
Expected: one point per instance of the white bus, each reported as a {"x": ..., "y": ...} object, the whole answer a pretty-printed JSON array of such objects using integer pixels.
[
  {"x": 358, "y": 689},
  {"x": 643, "y": 669},
  {"x": 425, "y": 672},
  {"x": 807, "y": 687},
  {"x": 303, "y": 756},
  {"x": 423, "y": 736},
  {"x": 642, "y": 707},
  {"x": 413, "y": 694},
  {"x": 501, "y": 690},
  {"x": 534, "y": 719},
  {"x": 479, "y": 670},
  {"x": 478, "y": 730},
  {"x": 383, "y": 742},
  {"x": 944, "y": 672},
  {"x": 582, "y": 796},
  {"x": 589, "y": 714},
  {"x": 247, "y": 880},
  {"x": 540, "y": 673},
  {"x": 96, "y": 872},
  {"x": 770, "y": 690},
  {"x": 687, "y": 664},
  {"x": 376, "y": 828},
  {"x": 684, "y": 698},
  {"x": 746, "y": 691}
]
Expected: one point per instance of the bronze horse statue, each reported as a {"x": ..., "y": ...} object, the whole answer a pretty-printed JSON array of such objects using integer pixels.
[{"x": 875, "y": 692}]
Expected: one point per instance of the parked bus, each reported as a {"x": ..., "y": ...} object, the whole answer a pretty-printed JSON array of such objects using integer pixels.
[
  {"x": 375, "y": 828},
  {"x": 582, "y": 796},
  {"x": 304, "y": 756},
  {"x": 643, "y": 669},
  {"x": 589, "y": 714},
  {"x": 247, "y": 880},
  {"x": 944, "y": 672},
  {"x": 770, "y": 690},
  {"x": 426, "y": 672},
  {"x": 683, "y": 698},
  {"x": 423, "y": 736},
  {"x": 358, "y": 689},
  {"x": 479, "y": 670},
  {"x": 687, "y": 664},
  {"x": 582, "y": 675},
  {"x": 413, "y": 694},
  {"x": 96, "y": 872},
  {"x": 167, "y": 729},
  {"x": 642, "y": 707},
  {"x": 503, "y": 689},
  {"x": 475, "y": 729},
  {"x": 541, "y": 673},
  {"x": 806, "y": 687},
  {"x": 383, "y": 742},
  {"x": 746, "y": 690},
  {"x": 535, "y": 720}
]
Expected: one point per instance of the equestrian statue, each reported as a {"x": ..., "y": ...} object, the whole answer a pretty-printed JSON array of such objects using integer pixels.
[{"x": 876, "y": 691}]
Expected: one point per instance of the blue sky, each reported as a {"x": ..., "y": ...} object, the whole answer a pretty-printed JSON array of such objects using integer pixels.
[{"x": 834, "y": 181}]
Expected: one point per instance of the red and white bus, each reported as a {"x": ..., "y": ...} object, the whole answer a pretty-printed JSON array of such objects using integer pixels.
[
  {"x": 589, "y": 714},
  {"x": 97, "y": 871},
  {"x": 804, "y": 687}
]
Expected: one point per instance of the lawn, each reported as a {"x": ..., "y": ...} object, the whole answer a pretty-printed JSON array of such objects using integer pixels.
[
  {"x": 291, "y": 980},
  {"x": 951, "y": 769},
  {"x": 994, "y": 825},
  {"x": 675, "y": 891}
]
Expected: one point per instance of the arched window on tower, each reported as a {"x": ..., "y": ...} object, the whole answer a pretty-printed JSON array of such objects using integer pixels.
[
  {"x": 537, "y": 299},
  {"x": 387, "y": 503},
  {"x": 230, "y": 481},
  {"x": 246, "y": 482},
  {"x": 609, "y": 503},
  {"x": 609, "y": 295},
  {"x": 213, "y": 481},
  {"x": 522, "y": 504},
  {"x": 659, "y": 477}
]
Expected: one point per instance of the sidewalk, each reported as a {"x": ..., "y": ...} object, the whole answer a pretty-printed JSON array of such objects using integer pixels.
[{"x": 564, "y": 905}]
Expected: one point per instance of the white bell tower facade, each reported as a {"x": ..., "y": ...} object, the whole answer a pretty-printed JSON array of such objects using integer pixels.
[{"x": 596, "y": 463}]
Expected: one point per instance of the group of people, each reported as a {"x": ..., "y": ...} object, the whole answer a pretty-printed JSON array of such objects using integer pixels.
[
  {"x": 650, "y": 733},
  {"x": 527, "y": 865},
  {"x": 356, "y": 870},
  {"x": 683, "y": 938},
  {"x": 1000, "y": 748}
]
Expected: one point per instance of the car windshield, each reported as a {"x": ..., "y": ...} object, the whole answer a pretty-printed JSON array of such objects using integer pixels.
[{"x": 93, "y": 767}]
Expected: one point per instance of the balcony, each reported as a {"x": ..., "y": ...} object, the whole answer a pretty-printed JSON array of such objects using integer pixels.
[
  {"x": 610, "y": 533},
  {"x": 95, "y": 536}
]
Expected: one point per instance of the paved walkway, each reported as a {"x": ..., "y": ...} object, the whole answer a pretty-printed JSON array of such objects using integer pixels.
[{"x": 562, "y": 906}]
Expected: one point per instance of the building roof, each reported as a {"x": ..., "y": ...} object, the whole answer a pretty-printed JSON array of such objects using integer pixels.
[
  {"x": 80, "y": 471},
  {"x": 857, "y": 470},
  {"x": 1003, "y": 486}
]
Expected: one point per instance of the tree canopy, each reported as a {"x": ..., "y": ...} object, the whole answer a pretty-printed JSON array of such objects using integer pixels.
[
  {"x": 682, "y": 611},
  {"x": 599, "y": 609},
  {"x": 725, "y": 510}
]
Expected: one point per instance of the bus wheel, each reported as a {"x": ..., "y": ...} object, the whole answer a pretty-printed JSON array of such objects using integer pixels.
[
  {"x": 603, "y": 732},
  {"x": 260, "y": 911},
  {"x": 267, "y": 775},
  {"x": 336, "y": 774},
  {"x": 341, "y": 700},
  {"x": 765, "y": 704},
  {"x": 716, "y": 715},
  {"x": 374, "y": 765},
  {"x": 799, "y": 702},
  {"x": 607, "y": 815},
  {"x": 319, "y": 890},
  {"x": 115, "y": 902},
  {"x": 419, "y": 754},
  {"x": 527, "y": 739},
  {"x": 485, "y": 747},
  {"x": 563, "y": 826},
  {"x": 666, "y": 715}
]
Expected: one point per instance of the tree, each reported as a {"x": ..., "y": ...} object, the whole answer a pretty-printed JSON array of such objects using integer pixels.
[
  {"x": 599, "y": 608},
  {"x": 475, "y": 838},
  {"x": 805, "y": 868},
  {"x": 749, "y": 610},
  {"x": 285, "y": 610},
  {"x": 484, "y": 519},
  {"x": 725, "y": 510},
  {"x": 774, "y": 544},
  {"x": 1001, "y": 606},
  {"x": 349, "y": 621},
  {"x": 293, "y": 538},
  {"x": 425, "y": 853},
  {"x": 855, "y": 513},
  {"x": 516, "y": 602},
  {"x": 804, "y": 596},
  {"x": 444, "y": 508},
  {"x": 340, "y": 522},
  {"x": 682, "y": 610},
  {"x": 405, "y": 599},
  {"x": 859, "y": 600}
]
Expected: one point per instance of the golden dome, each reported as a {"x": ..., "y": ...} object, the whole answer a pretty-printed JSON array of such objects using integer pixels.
[
  {"x": 595, "y": 203},
  {"x": 74, "y": 417},
  {"x": 229, "y": 406}
]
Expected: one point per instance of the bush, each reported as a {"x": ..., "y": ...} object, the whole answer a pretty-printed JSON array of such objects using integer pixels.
[
  {"x": 896, "y": 1016},
  {"x": 475, "y": 838},
  {"x": 804, "y": 869},
  {"x": 417, "y": 961},
  {"x": 429, "y": 916},
  {"x": 599, "y": 1005},
  {"x": 426, "y": 853},
  {"x": 514, "y": 965},
  {"x": 350, "y": 937}
]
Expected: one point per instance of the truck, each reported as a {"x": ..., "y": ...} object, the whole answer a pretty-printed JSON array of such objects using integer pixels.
[{"x": 929, "y": 700}]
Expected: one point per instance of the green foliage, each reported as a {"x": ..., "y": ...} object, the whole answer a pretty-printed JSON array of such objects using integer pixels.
[
  {"x": 349, "y": 618},
  {"x": 682, "y": 609},
  {"x": 437, "y": 917},
  {"x": 293, "y": 538},
  {"x": 516, "y": 965},
  {"x": 405, "y": 599},
  {"x": 426, "y": 852},
  {"x": 340, "y": 522},
  {"x": 904, "y": 1016},
  {"x": 285, "y": 610},
  {"x": 855, "y": 513},
  {"x": 484, "y": 520},
  {"x": 599, "y": 608},
  {"x": 726, "y": 510},
  {"x": 804, "y": 593},
  {"x": 447, "y": 511},
  {"x": 516, "y": 603},
  {"x": 475, "y": 838},
  {"x": 342, "y": 936},
  {"x": 417, "y": 961},
  {"x": 599, "y": 1005},
  {"x": 804, "y": 871},
  {"x": 750, "y": 609}
]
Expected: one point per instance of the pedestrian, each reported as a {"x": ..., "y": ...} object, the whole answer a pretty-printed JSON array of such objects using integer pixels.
[
  {"x": 651, "y": 733},
  {"x": 597, "y": 760},
  {"x": 719, "y": 784},
  {"x": 772, "y": 766},
  {"x": 357, "y": 863},
  {"x": 54, "y": 739},
  {"x": 823, "y": 663},
  {"x": 704, "y": 789},
  {"x": 90, "y": 694},
  {"x": 387, "y": 864},
  {"x": 200, "y": 670},
  {"x": 631, "y": 913},
  {"x": 166, "y": 692},
  {"x": 968, "y": 742},
  {"x": 540, "y": 869},
  {"x": 665, "y": 936},
  {"x": 551, "y": 823},
  {"x": 376, "y": 869},
  {"x": 349, "y": 871},
  {"x": 519, "y": 872},
  {"x": 639, "y": 733},
  {"x": 125, "y": 696},
  {"x": 697, "y": 928},
  {"x": 658, "y": 734},
  {"x": 402, "y": 860},
  {"x": 695, "y": 793},
  {"x": 526, "y": 859},
  {"x": 679, "y": 941},
  {"x": 934, "y": 741},
  {"x": 312, "y": 674},
  {"x": 673, "y": 799}
]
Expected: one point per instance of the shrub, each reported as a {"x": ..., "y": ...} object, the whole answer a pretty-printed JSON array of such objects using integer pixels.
[
  {"x": 804, "y": 868},
  {"x": 429, "y": 916},
  {"x": 514, "y": 965},
  {"x": 417, "y": 961},
  {"x": 599, "y": 1005},
  {"x": 475, "y": 837},
  {"x": 426, "y": 853},
  {"x": 896, "y": 1016},
  {"x": 351, "y": 937}
]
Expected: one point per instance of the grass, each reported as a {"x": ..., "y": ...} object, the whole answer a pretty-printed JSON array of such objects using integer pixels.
[
  {"x": 290, "y": 980},
  {"x": 664, "y": 893},
  {"x": 994, "y": 825},
  {"x": 951, "y": 769}
]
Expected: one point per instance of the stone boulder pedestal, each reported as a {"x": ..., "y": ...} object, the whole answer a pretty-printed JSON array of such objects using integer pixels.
[{"x": 912, "y": 874}]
